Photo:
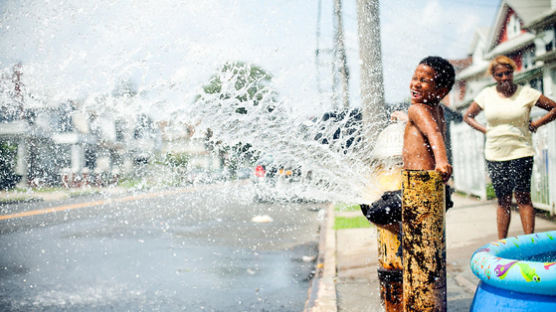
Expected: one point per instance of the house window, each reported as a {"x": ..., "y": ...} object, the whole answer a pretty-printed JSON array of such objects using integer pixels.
[
  {"x": 551, "y": 45},
  {"x": 64, "y": 122},
  {"x": 119, "y": 131},
  {"x": 514, "y": 26},
  {"x": 528, "y": 57},
  {"x": 461, "y": 85},
  {"x": 536, "y": 83},
  {"x": 553, "y": 78}
]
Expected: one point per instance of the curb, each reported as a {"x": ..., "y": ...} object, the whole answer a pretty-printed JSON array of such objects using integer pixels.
[
  {"x": 465, "y": 283},
  {"x": 5, "y": 202},
  {"x": 322, "y": 294}
]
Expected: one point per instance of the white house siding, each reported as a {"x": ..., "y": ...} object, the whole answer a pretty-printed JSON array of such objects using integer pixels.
[{"x": 549, "y": 81}]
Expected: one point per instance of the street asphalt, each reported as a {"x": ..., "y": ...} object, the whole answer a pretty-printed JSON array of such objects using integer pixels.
[
  {"x": 347, "y": 269},
  {"x": 198, "y": 248}
]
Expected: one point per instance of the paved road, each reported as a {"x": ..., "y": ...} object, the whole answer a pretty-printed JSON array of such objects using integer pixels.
[{"x": 192, "y": 250}]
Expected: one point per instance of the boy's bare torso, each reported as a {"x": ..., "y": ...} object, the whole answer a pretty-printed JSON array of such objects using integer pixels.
[{"x": 417, "y": 152}]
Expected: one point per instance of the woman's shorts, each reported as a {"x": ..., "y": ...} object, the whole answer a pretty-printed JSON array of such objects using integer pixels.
[{"x": 511, "y": 175}]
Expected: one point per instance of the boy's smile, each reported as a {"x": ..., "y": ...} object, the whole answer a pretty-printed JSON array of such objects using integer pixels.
[{"x": 422, "y": 85}]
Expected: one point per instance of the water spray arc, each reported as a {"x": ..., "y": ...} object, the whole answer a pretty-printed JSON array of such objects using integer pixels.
[{"x": 370, "y": 54}]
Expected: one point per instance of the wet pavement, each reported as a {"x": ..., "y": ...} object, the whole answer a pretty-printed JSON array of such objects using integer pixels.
[{"x": 185, "y": 250}]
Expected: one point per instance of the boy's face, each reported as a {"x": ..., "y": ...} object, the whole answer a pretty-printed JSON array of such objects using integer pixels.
[{"x": 422, "y": 86}]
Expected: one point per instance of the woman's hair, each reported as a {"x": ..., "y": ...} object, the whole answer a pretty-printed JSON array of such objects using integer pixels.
[{"x": 501, "y": 60}]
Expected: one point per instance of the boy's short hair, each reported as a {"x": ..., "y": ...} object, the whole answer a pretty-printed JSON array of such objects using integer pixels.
[{"x": 445, "y": 73}]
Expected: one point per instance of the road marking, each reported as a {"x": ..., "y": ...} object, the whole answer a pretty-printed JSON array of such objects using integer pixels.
[{"x": 98, "y": 203}]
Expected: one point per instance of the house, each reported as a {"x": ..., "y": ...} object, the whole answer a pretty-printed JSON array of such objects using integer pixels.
[
  {"x": 544, "y": 28},
  {"x": 523, "y": 30},
  {"x": 72, "y": 143},
  {"x": 179, "y": 138},
  {"x": 470, "y": 79}
]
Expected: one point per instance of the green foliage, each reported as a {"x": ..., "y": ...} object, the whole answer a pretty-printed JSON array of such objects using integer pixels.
[
  {"x": 177, "y": 159},
  {"x": 8, "y": 154},
  {"x": 236, "y": 89},
  {"x": 129, "y": 182},
  {"x": 47, "y": 189},
  {"x": 490, "y": 191},
  {"x": 250, "y": 85},
  {"x": 351, "y": 223}
]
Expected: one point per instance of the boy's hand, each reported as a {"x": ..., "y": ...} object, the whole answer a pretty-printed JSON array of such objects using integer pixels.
[
  {"x": 399, "y": 115},
  {"x": 445, "y": 170}
]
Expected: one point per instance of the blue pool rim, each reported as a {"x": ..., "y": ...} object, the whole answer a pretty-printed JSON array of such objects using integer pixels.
[
  {"x": 499, "y": 264},
  {"x": 488, "y": 298}
]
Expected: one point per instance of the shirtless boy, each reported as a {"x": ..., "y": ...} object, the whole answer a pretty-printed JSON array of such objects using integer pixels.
[{"x": 424, "y": 147}]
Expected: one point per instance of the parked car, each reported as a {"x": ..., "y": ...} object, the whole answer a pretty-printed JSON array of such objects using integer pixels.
[
  {"x": 268, "y": 169},
  {"x": 244, "y": 173},
  {"x": 205, "y": 176},
  {"x": 272, "y": 178}
]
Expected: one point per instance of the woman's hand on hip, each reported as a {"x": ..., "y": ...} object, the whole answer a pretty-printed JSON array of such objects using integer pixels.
[{"x": 532, "y": 127}]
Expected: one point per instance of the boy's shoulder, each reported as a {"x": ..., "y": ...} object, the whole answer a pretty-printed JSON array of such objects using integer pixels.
[
  {"x": 416, "y": 107},
  {"x": 424, "y": 110}
]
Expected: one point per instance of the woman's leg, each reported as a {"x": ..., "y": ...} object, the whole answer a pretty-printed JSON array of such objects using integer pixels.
[
  {"x": 523, "y": 193},
  {"x": 526, "y": 211},
  {"x": 503, "y": 186},
  {"x": 503, "y": 215}
]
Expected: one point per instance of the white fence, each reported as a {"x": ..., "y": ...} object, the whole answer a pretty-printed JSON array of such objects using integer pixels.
[
  {"x": 470, "y": 174},
  {"x": 543, "y": 188},
  {"x": 468, "y": 159}
]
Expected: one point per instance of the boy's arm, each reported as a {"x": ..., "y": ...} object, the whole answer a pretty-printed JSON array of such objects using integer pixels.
[
  {"x": 444, "y": 125},
  {"x": 423, "y": 119}
]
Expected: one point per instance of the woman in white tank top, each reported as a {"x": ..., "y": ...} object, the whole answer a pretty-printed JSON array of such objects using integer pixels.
[{"x": 508, "y": 148}]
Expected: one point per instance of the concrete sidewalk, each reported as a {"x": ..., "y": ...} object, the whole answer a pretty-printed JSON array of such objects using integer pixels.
[{"x": 347, "y": 271}]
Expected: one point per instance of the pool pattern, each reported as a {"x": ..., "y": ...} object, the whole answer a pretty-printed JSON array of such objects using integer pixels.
[{"x": 500, "y": 264}]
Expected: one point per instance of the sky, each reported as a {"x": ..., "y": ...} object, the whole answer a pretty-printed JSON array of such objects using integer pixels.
[{"x": 72, "y": 49}]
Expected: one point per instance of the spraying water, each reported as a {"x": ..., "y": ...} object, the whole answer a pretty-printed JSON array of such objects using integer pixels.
[{"x": 123, "y": 92}]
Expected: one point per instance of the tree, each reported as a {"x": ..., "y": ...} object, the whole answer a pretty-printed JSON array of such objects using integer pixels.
[
  {"x": 240, "y": 85},
  {"x": 235, "y": 100},
  {"x": 8, "y": 177}
]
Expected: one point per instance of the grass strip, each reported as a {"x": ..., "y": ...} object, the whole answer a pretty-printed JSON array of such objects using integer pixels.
[
  {"x": 351, "y": 223},
  {"x": 346, "y": 207}
]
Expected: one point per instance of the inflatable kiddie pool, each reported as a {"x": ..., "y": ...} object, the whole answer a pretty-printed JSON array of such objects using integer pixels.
[{"x": 517, "y": 274}]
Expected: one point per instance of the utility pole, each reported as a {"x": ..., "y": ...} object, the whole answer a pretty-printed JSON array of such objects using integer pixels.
[
  {"x": 18, "y": 86},
  {"x": 317, "y": 50},
  {"x": 390, "y": 271},
  {"x": 319, "y": 53},
  {"x": 372, "y": 87},
  {"x": 340, "y": 54}
]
